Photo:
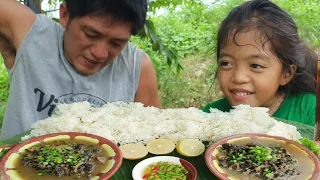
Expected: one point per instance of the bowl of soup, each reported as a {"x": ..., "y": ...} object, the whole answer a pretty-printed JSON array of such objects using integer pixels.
[
  {"x": 164, "y": 167},
  {"x": 66, "y": 156},
  {"x": 260, "y": 156}
]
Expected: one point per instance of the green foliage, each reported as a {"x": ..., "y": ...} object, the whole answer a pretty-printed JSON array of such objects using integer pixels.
[
  {"x": 158, "y": 46},
  {"x": 189, "y": 89},
  {"x": 4, "y": 82},
  {"x": 306, "y": 15},
  {"x": 155, "y": 5},
  {"x": 192, "y": 88},
  {"x": 195, "y": 32},
  {"x": 4, "y": 89},
  {"x": 193, "y": 29}
]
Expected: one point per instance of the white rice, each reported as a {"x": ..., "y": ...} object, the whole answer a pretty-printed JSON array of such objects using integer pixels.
[{"x": 132, "y": 122}]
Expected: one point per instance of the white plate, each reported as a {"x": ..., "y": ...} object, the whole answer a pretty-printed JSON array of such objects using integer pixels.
[{"x": 137, "y": 172}]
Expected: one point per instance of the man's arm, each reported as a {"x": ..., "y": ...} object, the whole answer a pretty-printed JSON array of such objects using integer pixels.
[
  {"x": 147, "y": 92},
  {"x": 15, "y": 21}
]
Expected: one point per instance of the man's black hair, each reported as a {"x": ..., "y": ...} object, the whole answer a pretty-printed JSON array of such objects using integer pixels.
[{"x": 132, "y": 11}]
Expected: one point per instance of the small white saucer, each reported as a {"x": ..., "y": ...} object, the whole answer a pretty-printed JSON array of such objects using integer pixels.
[{"x": 138, "y": 170}]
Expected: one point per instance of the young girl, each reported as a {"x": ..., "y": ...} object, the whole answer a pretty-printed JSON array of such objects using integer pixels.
[{"x": 263, "y": 62}]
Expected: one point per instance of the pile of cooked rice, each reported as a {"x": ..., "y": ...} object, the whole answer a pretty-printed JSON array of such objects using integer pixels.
[{"x": 132, "y": 122}]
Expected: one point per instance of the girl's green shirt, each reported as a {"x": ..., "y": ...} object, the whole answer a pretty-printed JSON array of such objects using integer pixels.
[{"x": 296, "y": 107}]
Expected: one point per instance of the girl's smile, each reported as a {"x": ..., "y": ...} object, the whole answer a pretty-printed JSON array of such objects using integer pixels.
[{"x": 240, "y": 94}]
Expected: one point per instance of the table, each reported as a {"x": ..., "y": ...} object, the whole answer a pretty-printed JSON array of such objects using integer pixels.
[{"x": 204, "y": 173}]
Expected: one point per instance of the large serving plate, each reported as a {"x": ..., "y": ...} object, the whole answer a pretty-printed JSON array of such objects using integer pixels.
[
  {"x": 9, "y": 163},
  {"x": 309, "y": 165}
]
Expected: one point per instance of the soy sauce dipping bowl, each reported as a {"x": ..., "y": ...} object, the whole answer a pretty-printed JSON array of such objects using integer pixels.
[
  {"x": 138, "y": 170},
  {"x": 309, "y": 164}
]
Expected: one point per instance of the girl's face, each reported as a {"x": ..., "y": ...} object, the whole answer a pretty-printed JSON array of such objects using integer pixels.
[{"x": 249, "y": 73}]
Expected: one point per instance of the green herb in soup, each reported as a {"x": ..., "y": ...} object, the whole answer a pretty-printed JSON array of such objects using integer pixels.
[
  {"x": 64, "y": 159},
  {"x": 256, "y": 160},
  {"x": 164, "y": 171}
]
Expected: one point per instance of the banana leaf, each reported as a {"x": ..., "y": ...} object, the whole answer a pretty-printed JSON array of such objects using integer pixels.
[{"x": 204, "y": 173}]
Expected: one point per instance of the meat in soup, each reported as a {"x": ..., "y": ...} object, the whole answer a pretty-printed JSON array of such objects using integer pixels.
[
  {"x": 256, "y": 160},
  {"x": 62, "y": 159}
]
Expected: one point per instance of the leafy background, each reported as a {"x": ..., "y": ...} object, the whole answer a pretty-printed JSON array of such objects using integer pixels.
[{"x": 188, "y": 28}]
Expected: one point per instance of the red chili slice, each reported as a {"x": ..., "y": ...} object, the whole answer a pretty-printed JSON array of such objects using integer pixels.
[
  {"x": 145, "y": 176},
  {"x": 155, "y": 168}
]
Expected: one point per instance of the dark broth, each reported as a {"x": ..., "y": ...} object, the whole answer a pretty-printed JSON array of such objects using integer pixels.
[{"x": 29, "y": 173}]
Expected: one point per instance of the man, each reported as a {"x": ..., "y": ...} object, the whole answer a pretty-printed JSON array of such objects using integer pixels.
[{"x": 86, "y": 58}]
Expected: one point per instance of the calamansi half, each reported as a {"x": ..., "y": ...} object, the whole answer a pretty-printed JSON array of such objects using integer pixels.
[
  {"x": 133, "y": 151},
  {"x": 190, "y": 147},
  {"x": 160, "y": 146}
]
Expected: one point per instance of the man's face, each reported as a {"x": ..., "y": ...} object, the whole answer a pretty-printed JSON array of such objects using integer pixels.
[{"x": 92, "y": 42}]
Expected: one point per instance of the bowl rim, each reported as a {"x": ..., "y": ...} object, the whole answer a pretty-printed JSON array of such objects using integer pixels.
[
  {"x": 212, "y": 147},
  {"x": 102, "y": 176},
  {"x": 172, "y": 159}
]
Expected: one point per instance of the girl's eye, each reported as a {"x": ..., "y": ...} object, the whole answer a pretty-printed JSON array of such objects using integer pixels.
[
  {"x": 224, "y": 63},
  {"x": 257, "y": 66}
]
